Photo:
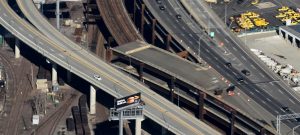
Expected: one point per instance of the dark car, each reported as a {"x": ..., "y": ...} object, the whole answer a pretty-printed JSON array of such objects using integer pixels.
[
  {"x": 240, "y": 79},
  {"x": 162, "y": 7},
  {"x": 228, "y": 64},
  {"x": 246, "y": 72},
  {"x": 287, "y": 109},
  {"x": 178, "y": 16},
  {"x": 240, "y": 1}
]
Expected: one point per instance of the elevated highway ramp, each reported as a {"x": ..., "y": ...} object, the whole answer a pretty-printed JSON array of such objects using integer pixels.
[{"x": 84, "y": 64}]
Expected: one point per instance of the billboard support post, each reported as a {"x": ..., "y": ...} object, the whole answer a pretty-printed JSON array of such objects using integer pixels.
[{"x": 121, "y": 123}]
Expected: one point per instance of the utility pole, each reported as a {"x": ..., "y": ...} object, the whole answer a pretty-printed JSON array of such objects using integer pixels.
[{"x": 225, "y": 19}]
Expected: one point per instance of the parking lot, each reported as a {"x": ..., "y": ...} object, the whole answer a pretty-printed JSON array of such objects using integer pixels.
[{"x": 267, "y": 9}]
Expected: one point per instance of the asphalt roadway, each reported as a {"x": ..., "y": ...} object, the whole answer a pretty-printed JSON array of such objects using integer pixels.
[
  {"x": 85, "y": 65},
  {"x": 256, "y": 85}
]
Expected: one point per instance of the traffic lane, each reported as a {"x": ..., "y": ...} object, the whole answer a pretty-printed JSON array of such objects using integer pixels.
[
  {"x": 78, "y": 65},
  {"x": 190, "y": 39},
  {"x": 291, "y": 102},
  {"x": 263, "y": 74}
]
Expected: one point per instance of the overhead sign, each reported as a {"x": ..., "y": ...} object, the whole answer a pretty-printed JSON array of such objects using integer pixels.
[{"x": 128, "y": 101}]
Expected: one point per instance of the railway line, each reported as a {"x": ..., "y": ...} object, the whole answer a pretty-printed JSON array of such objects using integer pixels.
[
  {"x": 54, "y": 118},
  {"x": 21, "y": 93},
  {"x": 117, "y": 21}
]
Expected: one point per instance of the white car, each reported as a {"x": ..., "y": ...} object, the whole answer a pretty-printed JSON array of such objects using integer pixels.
[{"x": 97, "y": 77}]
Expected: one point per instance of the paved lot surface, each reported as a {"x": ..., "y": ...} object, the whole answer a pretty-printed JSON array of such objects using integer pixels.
[{"x": 273, "y": 45}]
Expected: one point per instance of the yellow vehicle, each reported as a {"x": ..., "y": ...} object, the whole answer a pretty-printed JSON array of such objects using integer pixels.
[
  {"x": 280, "y": 15},
  {"x": 290, "y": 11},
  {"x": 285, "y": 18},
  {"x": 283, "y": 8},
  {"x": 254, "y": 2},
  {"x": 296, "y": 15},
  {"x": 260, "y": 22},
  {"x": 294, "y": 22}
]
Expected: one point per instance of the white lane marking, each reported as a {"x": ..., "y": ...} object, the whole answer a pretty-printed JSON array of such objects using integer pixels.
[
  {"x": 216, "y": 58},
  {"x": 207, "y": 50},
  {"x": 292, "y": 101},
  {"x": 271, "y": 83},
  {"x": 234, "y": 48},
  {"x": 269, "y": 99},
  {"x": 182, "y": 34},
  {"x": 276, "y": 112},
  {"x": 11, "y": 21},
  {"x": 191, "y": 42},
  {"x": 243, "y": 57},
  {"x": 190, "y": 35},
  {"x": 5, "y": 14},
  {"x": 257, "y": 91},
  {"x": 51, "y": 49},
  {"x": 21, "y": 28},
  {"x": 252, "y": 66},
  {"x": 251, "y": 93},
  {"x": 60, "y": 55},
  {"x": 218, "y": 31},
  {"x": 183, "y": 28},
  {"x": 262, "y": 74},
  {"x": 226, "y": 40},
  {"x": 280, "y": 91},
  {"x": 30, "y": 35},
  {"x": 263, "y": 102},
  {"x": 233, "y": 59}
]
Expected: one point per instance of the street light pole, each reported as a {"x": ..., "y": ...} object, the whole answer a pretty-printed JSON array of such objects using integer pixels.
[{"x": 225, "y": 19}]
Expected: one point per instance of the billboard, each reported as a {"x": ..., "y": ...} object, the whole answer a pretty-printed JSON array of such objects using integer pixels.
[{"x": 128, "y": 101}]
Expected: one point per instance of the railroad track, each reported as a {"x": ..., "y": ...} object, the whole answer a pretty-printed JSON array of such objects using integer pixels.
[
  {"x": 117, "y": 21},
  {"x": 21, "y": 93},
  {"x": 49, "y": 124}
]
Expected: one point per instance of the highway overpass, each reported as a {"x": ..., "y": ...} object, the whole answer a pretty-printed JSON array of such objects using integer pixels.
[{"x": 85, "y": 65}]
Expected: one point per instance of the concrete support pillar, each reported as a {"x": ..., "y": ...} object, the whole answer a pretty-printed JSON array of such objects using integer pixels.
[
  {"x": 109, "y": 54},
  {"x": 172, "y": 86},
  {"x": 17, "y": 48},
  {"x": 57, "y": 13},
  {"x": 138, "y": 126},
  {"x": 142, "y": 19},
  {"x": 232, "y": 121},
  {"x": 294, "y": 42},
  {"x": 153, "y": 31},
  {"x": 141, "y": 71},
  {"x": 92, "y": 100},
  {"x": 54, "y": 74},
  {"x": 69, "y": 76},
  {"x": 280, "y": 32},
  {"x": 286, "y": 36},
  {"x": 201, "y": 110},
  {"x": 167, "y": 42}
]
